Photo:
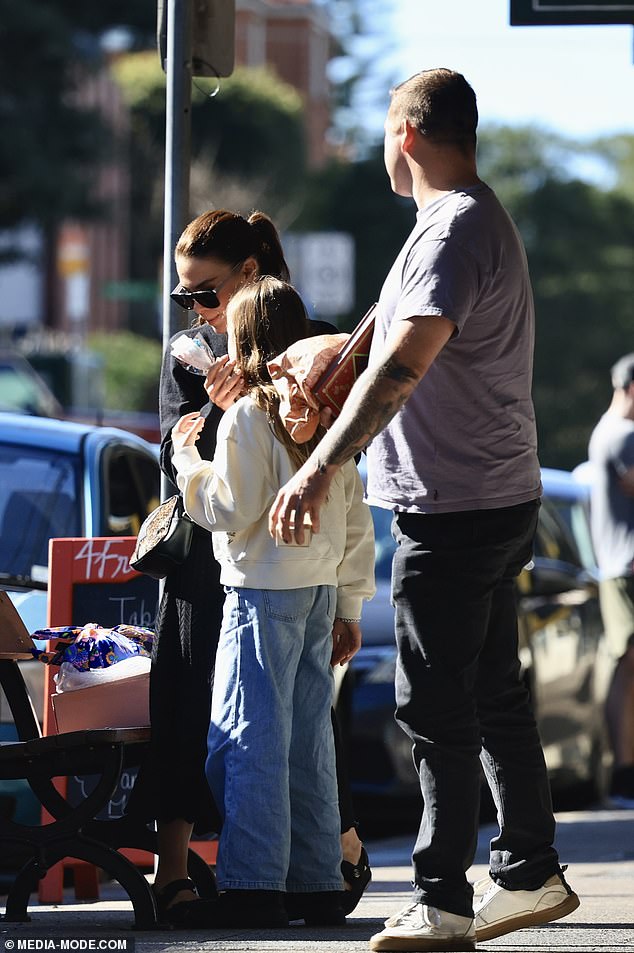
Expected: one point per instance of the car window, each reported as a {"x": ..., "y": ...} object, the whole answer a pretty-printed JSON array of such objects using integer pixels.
[
  {"x": 131, "y": 490},
  {"x": 149, "y": 481},
  {"x": 23, "y": 391},
  {"x": 554, "y": 539},
  {"x": 39, "y": 490},
  {"x": 574, "y": 515}
]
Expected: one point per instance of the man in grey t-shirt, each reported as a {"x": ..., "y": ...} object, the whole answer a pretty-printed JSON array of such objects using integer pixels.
[
  {"x": 611, "y": 455},
  {"x": 446, "y": 404}
]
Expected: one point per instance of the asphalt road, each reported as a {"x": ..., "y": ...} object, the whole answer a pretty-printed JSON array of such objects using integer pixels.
[{"x": 597, "y": 845}]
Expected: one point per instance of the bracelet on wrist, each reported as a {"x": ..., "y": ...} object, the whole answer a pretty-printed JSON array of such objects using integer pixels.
[{"x": 341, "y": 619}]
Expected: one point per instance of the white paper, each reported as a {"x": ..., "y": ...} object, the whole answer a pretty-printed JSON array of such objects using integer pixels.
[{"x": 193, "y": 353}]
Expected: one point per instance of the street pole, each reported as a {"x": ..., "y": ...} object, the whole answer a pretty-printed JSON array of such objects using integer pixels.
[{"x": 178, "y": 68}]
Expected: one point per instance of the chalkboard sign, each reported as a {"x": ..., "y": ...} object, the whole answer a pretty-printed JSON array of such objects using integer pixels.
[
  {"x": 90, "y": 580},
  {"x": 78, "y": 789}
]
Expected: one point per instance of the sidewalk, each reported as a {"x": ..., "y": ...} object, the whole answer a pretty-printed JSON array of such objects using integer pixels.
[{"x": 598, "y": 846}]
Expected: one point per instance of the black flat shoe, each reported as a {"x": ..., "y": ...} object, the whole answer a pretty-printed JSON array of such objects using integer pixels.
[
  {"x": 317, "y": 909},
  {"x": 184, "y": 913},
  {"x": 239, "y": 909},
  {"x": 357, "y": 877}
]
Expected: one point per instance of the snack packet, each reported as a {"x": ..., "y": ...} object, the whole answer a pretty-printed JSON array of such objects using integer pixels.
[{"x": 193, "y": 353}]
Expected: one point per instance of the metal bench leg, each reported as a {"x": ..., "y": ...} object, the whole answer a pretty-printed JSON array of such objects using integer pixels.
[
  {"x": 114, "y": 863},
  {"x": 130, "y": 878},
  {"x": 21, "y": 889},
  {"x": 128, "y": 832}
]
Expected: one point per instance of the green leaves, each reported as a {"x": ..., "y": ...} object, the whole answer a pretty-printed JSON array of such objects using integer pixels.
[
  {"x": 579, "y": 237},
  {"x": 132, "y": 366}
]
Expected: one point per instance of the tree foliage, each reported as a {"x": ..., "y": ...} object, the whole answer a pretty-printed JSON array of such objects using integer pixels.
[
  {"x": 253, "y": 128},
  {"x": 51, "y": 145},
  {"x": 247, "y": 144},
  {"x": 128, "y": 384},
  {"x": 356, "y": 198},
  {"x": 580, "y": 243},
  {"x": 360, "y": 69},
  {"x": 618, "y": 153},
  {"x": 579, "y": 238}
]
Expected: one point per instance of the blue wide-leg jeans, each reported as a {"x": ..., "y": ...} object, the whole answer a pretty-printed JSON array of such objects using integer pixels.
[
  {"x": 460, "y": 698},
  {"x": 271, "y": 756}
]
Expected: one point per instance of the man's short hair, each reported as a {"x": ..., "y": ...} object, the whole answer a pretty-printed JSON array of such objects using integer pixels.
[
  {"x": 441, "y": 105},
  {"x": 623, "y": 372}
]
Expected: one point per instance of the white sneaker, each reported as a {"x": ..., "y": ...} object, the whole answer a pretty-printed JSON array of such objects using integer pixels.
[
  {"x": 499, "y": 911},
  {"x": 419, "y": 928},
  {"x": 480, "y": 887}
]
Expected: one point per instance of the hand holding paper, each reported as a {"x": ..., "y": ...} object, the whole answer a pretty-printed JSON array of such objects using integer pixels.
[{"x": 193, "y": 353}]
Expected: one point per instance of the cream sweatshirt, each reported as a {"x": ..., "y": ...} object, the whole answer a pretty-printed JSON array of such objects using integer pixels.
[{"x": 232, "y": 495}]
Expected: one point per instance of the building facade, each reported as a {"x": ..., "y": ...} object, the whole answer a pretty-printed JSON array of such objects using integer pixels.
[{"x": 291, "y": 37}]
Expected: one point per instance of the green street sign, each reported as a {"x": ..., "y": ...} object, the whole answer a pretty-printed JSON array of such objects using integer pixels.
[{"x": 130, "y": 290}]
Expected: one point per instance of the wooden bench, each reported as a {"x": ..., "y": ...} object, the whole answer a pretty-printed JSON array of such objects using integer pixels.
[{"x": 76, "y": 830}]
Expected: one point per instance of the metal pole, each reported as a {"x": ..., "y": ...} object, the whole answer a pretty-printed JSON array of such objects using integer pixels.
[{"x": 178, "y": 69}]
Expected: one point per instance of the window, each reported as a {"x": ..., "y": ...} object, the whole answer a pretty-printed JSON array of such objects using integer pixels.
[
  {"x": 40, "y": 490},
  {"x": 131, "y": 490},
  {"x": 554, "y": 539}
]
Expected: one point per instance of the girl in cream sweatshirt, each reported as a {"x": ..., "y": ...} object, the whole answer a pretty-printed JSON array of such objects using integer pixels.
[{"x": 290, "y": 613}]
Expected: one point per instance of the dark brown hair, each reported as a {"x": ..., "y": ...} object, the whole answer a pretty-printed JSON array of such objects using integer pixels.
[
  {"x": 441, "y": 105},
  {"x": 232, "y": 238}
]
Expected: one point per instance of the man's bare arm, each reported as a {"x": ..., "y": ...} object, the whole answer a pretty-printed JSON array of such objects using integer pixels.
[
  {"x": 376, "y": 397},
  {"x": 366, "y": 415}
]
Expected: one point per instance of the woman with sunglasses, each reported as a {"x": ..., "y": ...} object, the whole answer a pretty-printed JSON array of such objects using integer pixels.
[{"x": 219, "y": 252}]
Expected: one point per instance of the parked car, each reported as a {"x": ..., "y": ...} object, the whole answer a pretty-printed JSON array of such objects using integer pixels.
[
  {"x": 562, "y": 653},
  {"x": 23, "y": 390},
  {"x": 65, "y": 479},
  {"x": 59, "y": 478}
]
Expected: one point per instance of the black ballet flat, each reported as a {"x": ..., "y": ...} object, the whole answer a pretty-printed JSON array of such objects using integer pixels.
[
  {"x": 178, "y": 914},
  {"x": 316, "y": 909},
  {"x": 357, "y": 877}
]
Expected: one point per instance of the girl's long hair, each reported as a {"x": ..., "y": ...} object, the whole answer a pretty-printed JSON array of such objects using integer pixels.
[{"x": 264, "y": 318}]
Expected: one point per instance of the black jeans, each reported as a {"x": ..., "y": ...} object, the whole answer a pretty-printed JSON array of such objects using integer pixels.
[{"x": 460, "y": 699}]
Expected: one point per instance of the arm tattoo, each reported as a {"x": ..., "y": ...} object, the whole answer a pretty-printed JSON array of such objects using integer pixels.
[{"x": 387, "y": 389}]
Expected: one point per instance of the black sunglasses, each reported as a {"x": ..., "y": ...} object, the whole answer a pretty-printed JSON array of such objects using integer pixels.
[{"x": 206, "y": 299}]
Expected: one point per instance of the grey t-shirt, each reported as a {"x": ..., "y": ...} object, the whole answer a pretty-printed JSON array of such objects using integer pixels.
[
  {"x": 466, "y": 438},
  {"x": 611, "y": 453}
]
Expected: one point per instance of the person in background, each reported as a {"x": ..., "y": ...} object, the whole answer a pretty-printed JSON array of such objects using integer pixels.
[
  {"x": 218, "y": 252},
  {"x": 611, "y": 457},
  {"x": 445, "y": 406},
  {"x": 290, "y": 612}
]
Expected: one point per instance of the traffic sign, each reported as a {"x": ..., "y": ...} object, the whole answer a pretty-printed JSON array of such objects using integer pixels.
[{"x": 323, "y": 271}]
